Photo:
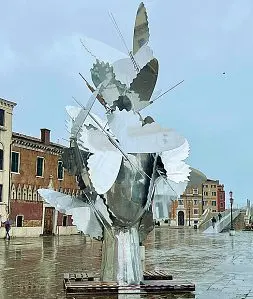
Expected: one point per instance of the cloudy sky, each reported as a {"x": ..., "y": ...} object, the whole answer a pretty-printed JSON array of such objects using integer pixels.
[{"x": 195, "y": 40}]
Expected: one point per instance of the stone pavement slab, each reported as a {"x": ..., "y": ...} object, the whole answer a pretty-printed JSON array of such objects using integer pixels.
[{"x": 221, "y": 266}]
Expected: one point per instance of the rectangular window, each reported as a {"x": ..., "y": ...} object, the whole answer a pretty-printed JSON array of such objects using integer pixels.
[
  {"x": 221, "y": 204},
  {"x": 19, "y": 221},
  {"x": 213, "y": 193},
  {"x": 60, "y": 170},
  {"x": 15, "y": 162},
  {"x": 214, "y": 203},
  {"x": 1, "y": 192},
  {"x": 1, "y": 159},
  {"x": 180, "y": 202},
  {"x": 40, "y": 166},
  {"x": 206, "y": 193},
  {"x": 195, "y": 191},
  {"x": 195, "y": 211},
  {"x": 221, "y": 196},
  {"x": 64, "y": 220},
  {"x": 1, "y": 117},
  {"x": 195, "y": 202}
]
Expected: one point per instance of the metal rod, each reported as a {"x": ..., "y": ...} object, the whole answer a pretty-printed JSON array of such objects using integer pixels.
[
  {"x": 231, "y": 214},
  {"x": 92, "y": 89},
  {"x": 167, "y": 91},
  {"x": 114, "y": 143},
  {"x": 189, "y": 216},
  {"x": 136, "y": 67}
]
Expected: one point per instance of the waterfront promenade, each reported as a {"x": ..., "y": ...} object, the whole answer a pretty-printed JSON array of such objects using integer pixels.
[{"x": 220, "y": 265}]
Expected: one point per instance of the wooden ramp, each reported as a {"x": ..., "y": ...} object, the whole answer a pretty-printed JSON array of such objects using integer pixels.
[{"x": 154, "y": 282}]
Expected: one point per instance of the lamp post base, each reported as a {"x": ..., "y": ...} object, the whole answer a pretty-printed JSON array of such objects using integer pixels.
[{"x": 232, "y": 232}]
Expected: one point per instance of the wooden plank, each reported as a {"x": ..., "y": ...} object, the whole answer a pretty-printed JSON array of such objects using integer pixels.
[
  {"x": 78, "y": 277},
  {"x": 150, "y": 286},
  {"x": 66, "y": 276}
]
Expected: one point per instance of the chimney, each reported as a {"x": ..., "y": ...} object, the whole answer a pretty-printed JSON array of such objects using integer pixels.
[{"x": 45, "y": 136}]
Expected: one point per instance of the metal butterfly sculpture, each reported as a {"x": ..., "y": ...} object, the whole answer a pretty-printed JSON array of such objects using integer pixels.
[{"x": 118, "y": 160}]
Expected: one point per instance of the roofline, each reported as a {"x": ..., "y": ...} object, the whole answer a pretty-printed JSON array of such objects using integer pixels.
[
  {"x": 8, "y": 102},
  {"x": 35, "y": 139}
]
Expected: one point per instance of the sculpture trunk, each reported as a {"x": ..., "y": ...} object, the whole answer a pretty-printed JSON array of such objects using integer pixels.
[{"x": 121, "y": 259}]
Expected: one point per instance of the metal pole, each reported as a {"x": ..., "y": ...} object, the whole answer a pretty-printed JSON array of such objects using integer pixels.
[
  {"x": 189, "y": 217},
  {"x": 231, "y": 213},
  {"x": 202, "y": 198}
]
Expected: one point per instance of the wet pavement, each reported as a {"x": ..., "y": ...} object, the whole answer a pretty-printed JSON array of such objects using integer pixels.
[{"x": 221, "y": 266}]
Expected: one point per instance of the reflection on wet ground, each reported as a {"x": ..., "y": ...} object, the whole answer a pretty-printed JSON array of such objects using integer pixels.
[{"x": 221, "y": 266}]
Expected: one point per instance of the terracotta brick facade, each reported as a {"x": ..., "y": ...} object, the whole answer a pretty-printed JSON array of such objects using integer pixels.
[
  {"x": 31, "y": 211},
  {"x": 25, "y": 182}
]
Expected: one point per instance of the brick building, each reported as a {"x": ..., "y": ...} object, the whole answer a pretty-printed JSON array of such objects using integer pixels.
[
  {"x": 200, "y": 194},
  {"x": 36, "y": 163},
  {"x": 213, "y": 195}
]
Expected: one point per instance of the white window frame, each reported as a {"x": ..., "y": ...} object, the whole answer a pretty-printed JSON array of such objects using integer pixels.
[
  {"x": 180, "y": 202},
  {"x": 18, "y": 162},
  {"x": 17, "y": 220},
  {"x": 195, "y": 191},
  {"x": 62, "y": 171},
  {"x": 4, "y": 118},
  {"x": 43, "y": 167}
]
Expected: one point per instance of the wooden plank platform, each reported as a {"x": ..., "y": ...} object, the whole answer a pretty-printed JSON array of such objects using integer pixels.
[
  {"x": 151, "y": 286},
  {"x": 147, "y": 275},
  {"x": 85, "y": 284}
]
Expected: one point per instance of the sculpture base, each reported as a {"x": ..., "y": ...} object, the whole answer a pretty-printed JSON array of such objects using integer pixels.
[
  {"x": 154, "y": 282},
  {"x": 231, "y": 232}
]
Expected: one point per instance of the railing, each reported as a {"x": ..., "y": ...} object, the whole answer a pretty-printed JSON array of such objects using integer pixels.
[
  {"x": 223, "y": 223},
  {"x": 207, "y": 222},
  {"x": 248, "y": 215},
  {"x": 204, "y": 219}
]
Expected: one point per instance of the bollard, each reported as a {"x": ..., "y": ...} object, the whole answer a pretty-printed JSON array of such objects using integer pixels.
[{"x": 231, "y": 232}]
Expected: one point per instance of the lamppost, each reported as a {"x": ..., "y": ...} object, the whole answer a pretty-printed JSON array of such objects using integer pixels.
[
  {"x": 232, "y": 231},
  {"x": 189, "y": 218},
  {"x": 202, "y": 198}
]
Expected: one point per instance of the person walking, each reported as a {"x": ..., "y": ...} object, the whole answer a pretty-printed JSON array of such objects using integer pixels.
[
  {"x": 7, "y": 226},
  {"x": 219, "y": 216},
  {"x": 213, "y": 221}
]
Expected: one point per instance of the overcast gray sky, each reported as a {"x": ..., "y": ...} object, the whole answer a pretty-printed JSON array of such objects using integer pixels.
[{"x": 194, "y": 40}]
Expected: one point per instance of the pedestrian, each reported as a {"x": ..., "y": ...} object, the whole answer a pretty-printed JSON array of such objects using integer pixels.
[
  {"x": 220, "y": 216},
  {"x": 213, "y": 221},
  {"x": 7, "y": 226}
]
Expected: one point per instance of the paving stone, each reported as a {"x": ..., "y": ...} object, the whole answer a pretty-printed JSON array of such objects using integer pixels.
[{"x": 221, "y": 266}]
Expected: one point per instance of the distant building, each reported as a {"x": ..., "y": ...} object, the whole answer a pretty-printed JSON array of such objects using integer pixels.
[
  {"x": 6, "y": 108},
  {"x": 200, "y": 194},
  {"x": 213, "y": 195},
  {"x": 36, "y": 163}
]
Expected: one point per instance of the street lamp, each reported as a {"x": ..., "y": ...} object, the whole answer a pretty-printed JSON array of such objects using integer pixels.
[
  {"x": 232, "y": 231},
  {"x": 189, "y": 211}
]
